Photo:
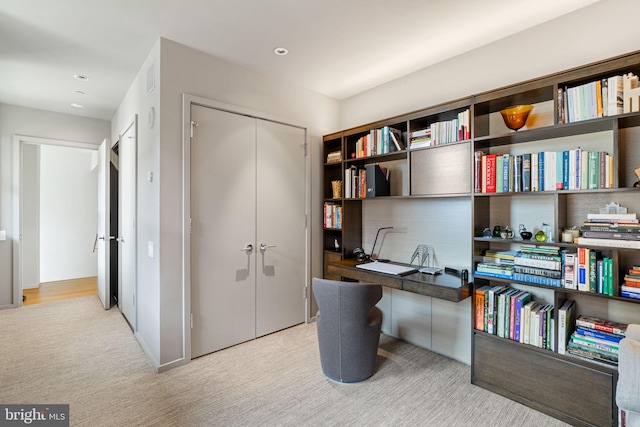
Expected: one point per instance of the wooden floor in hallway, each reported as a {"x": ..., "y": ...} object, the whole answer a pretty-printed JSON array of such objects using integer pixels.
[{"x": 61, "y": 290}]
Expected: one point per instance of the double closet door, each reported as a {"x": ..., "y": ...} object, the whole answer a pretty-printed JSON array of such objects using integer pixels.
[{"x": 248, "y": 228}]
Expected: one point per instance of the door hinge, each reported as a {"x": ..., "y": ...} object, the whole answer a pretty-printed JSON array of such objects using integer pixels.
[
  {"x": 305, "y": 293},
  {"x": 193, "y": 124},
  {"x": 306, "y": 220},
  {"x": 305, "y": 148},
  {"x": 190, "y": 226},
  {"x": 191, "y": 320}
]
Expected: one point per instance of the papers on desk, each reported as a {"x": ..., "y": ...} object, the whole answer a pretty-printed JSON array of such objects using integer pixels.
[{"x": 388, "y": 268}]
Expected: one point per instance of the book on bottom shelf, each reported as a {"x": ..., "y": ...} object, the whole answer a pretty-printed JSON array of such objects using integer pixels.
[{"x": 566, "y": 324}]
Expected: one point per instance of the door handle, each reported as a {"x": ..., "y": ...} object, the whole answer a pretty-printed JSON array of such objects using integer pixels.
[
  {"x": 106, "y": 238},
  {"x": 248, "y": 249},
  {"x": 264, "y": 246}
]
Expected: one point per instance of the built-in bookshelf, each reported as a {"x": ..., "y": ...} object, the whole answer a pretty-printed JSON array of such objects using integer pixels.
[
  {"x": 578, "y": 153},
  {"x": 573, "y": 158}
]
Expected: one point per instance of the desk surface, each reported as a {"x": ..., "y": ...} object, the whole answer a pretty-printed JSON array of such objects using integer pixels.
[{"x": 442, "y": 286}]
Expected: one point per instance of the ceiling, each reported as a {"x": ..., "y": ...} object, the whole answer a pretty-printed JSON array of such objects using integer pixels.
[{"x": 336, "y": 47}]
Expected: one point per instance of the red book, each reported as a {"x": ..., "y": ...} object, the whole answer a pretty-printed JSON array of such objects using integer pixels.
[{"x": 491, "y": 173}]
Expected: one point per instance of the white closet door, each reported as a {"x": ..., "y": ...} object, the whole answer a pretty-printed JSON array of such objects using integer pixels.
[
  {"x": 281, "y": 223},
  {"x": 223, "y": 211}
]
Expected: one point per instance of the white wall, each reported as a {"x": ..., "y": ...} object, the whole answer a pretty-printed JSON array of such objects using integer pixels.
[
  {"x": 599, "y": 31},
  {"x": 147, "y": 106},
  {"x": 37, "y": 123},
  {"x": 68, "y": 213},
  {"x": 179, "y": 70}
]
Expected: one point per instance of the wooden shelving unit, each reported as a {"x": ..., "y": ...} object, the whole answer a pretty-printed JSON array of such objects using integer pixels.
[{"x": 574, "y": 390}]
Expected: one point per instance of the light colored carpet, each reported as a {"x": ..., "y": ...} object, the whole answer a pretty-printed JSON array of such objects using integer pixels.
[{"x": 75, "y": 352}]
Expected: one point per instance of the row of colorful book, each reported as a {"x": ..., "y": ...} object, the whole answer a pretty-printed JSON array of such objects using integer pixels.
[
  {"x": 595, "y": 99},
  {"x": 575, "y": 169},
  {"x": 378, "y": 141},
  {"x": 513, "y": 314},
  {"x": 332, "y": 215},
  {"x": 442, "y": 132},
  {"x": 581, "y": 269},
  {"x": 588, "y": 337}
]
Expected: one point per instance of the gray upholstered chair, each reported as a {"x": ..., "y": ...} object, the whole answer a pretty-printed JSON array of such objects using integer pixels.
[
  {"x": 628, "y": 389},
  {"x": 348, "y": 328}
]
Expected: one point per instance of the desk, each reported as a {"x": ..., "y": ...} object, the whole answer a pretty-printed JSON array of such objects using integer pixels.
[{"x": 442, "y": 286}]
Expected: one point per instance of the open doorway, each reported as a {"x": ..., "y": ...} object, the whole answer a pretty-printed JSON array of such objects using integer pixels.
[{"x": 55, "y": 212}]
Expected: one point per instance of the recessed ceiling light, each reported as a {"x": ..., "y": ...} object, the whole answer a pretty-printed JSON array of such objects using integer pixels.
[
  {"x": 80, "y": 77},
  {"x": 281, "y": 51},
  {"x": 77, "y": 105},
  {"x": 80, "y": 92}
]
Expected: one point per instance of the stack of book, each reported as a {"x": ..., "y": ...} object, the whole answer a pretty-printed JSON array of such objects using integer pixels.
[
  {"x": 537, "y": 264},
  {"x": 631, "y": 286},
  {"x": 596, "y": 339},
  {"x": 575, "y": 169},
  {"x": 512, "y": 314},
  {"x": 355, "y": 182},
  {"x": 620, "y": 230},
  {"x": 334, "y": 156},
  {"x": 420, "y": 138},
  {"x": 497, "y": 263}
]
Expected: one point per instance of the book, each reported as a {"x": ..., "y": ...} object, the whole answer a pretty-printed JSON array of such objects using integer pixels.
[
  {"x": 611, "y": 227},
  {"x": 566, "y": 324},
  {"x": 599, "y": 334},
  {"x": 396, "y": 137},
  {"x": 594, "y": 256},
  {"x": 583, "y": 269},
  {"x": 521, "y": 301},
  {"x": 610, "y": 243},
  {"x": 599, "y": 324},
  {"x": 539, "y": 263},
  {"x": 611, "y": 235},
  {"x": 569, "y": 264},
  {"x": 612, "y": 217},
  {"x": 480, "y": 307},
  {"x": 526, "y": 172},
  {"x": 491, "y": 173},
  {"x": 491, "y": 297},
  {"x": 517, "y": 174}
]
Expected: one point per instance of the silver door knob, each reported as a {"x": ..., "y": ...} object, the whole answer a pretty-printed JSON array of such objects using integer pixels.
[
  {"x": 120, "y": 239},
  {"x": 264, "y": 246},
  {"x": 106, "y": 238},
  {"x": 248, "y": 249}
]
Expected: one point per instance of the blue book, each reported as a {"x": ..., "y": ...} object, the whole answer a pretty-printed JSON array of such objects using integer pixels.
[
  {"x": 565, "y": 169},
  {"x": 598, "y": 334},
  {"x": 541, "y": 170}
]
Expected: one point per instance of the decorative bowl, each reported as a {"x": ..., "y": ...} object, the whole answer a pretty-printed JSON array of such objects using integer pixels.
[
  {"x": 516, "y": 116},
  {"x": 526, "y": 235}
]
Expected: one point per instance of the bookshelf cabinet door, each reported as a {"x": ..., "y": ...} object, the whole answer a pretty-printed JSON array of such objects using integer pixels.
[
  {"x": 558, "y": 387},
  {"x": 441, "y": 170}
]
